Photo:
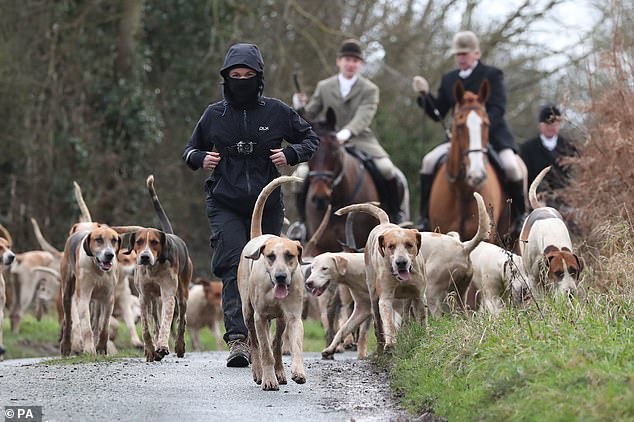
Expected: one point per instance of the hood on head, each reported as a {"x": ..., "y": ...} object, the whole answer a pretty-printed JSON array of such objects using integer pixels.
[{"x": 243, "y": 54}]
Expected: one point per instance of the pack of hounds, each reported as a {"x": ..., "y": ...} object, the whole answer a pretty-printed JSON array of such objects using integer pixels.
[{"x": 110, "y": 273}]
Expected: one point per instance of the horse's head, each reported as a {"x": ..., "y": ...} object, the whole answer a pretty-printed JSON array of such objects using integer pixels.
[
  {"x": 326, "y": 166},
  {"x": 469, "y": 136}
]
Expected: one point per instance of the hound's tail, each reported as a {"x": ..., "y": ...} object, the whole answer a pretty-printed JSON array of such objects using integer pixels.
[
  {"x": 85, "y": 216},
  {"x": 320, "y": 230},
  {"x": 532, "y": 191},
  {"x": 367, "y": 208},
  {"x": 256, "y": 218},
  {"x": 166, "y": 226},
  {"x": 43, "y": 242},
  {"x": 47, "y": 270},
  {"x": 5, "y": 233},
  {"x": 484, "y": 225}
]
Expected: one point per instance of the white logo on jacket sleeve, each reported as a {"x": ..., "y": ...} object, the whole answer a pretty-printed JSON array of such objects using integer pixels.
[{"x": 263, "y": 128}]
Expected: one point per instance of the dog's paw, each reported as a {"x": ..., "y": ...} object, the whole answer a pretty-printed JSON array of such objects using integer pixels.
[
  {"x": 180, "y": 350},
  {"x": 162, "y": 352},
  {"x": 327, "y": 355},
  {"x": 270, "y": 384},
  {"x": 65, "y": 350},
  {"x": 299, "y": 378},
  {"x": 281, "y": 377},
  {"x": 150, "y": 356},
  {"x": 2, "y": 350}
]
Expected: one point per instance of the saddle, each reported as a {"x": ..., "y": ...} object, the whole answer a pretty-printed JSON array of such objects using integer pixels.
[{"x": 387, "y": 197}]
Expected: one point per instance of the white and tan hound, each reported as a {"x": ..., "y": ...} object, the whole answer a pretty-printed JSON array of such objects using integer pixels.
[
  {"x": 271, "y": 285},
  {"x": 6, "y": 258},
  {"x": 546, "y": 248},
  {"x": 163, "y": 273},
  {"x": 88, "y": 274}
]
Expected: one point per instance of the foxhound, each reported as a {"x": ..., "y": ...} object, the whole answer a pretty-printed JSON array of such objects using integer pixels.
[
  {"x": 163, "y": 270},
  {"x": 546, "y": 248},
  {"x": 271, "y": 285}
]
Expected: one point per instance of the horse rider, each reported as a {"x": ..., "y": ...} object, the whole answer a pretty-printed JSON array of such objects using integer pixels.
[
  {"x": 354, "y": 99},
  {"x": 471, "y": 71}
]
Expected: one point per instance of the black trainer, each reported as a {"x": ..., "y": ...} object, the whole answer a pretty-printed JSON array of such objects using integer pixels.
[{"x": 239, "y": 356}]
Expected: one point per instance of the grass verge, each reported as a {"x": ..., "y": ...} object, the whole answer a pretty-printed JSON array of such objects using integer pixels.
[{"x": 572, "y": 361}]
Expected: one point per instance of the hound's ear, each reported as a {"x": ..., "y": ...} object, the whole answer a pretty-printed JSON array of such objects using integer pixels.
[
  {"x": 485, "y": 91},
  {"x": 300, "y": 250},
  {"x": 581, "y": 263},
  {"x": 86, "y": 245},
  {"x": 381, "y": 245},
  {"x": 256, "y": 254},
  {"x": 118, "y": 243},
  {"x": 458, "y": 91},
  {"x": 341, "y": 265},
  {"x": 165, "y": 253},
  {"x": 419, "y": 240},
  {"x": 131, "y": 244},
  {"x": 549, "y": 253}
]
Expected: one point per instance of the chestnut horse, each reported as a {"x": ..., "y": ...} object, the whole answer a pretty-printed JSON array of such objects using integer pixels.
[
  {"x": 336, "y": 178},
  {"x": 467, "y": 169}
]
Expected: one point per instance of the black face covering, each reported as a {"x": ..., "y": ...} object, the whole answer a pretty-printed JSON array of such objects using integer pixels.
[{"x": 243, "y": 92}]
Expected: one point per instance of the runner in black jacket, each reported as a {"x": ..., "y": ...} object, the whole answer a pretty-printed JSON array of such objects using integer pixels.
[{"x": 240, "y": 139}]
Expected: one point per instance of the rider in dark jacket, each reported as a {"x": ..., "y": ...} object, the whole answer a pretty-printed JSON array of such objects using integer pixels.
[{"x": 240, "y": 140}]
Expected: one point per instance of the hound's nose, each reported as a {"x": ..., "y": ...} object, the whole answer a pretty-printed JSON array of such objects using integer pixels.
[
  {"x": 309, "y": 284},
  {"x": 402, "y": 264},
  {"x": 9, "y": 259},
  {"x": 144, "y": 259},
  {"x": 107, "y": 256},
  {"x": 280, "y": 278},
  {"x": 571, "y": 293}
]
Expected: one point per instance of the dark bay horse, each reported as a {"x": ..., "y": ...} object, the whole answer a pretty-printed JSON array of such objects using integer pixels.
[
  {"x": 467, "y": 169},
  {"x": 336, "y": 178}
]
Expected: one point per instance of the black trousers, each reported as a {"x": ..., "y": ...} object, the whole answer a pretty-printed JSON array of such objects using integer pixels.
[{"x": 230, "y": 231}]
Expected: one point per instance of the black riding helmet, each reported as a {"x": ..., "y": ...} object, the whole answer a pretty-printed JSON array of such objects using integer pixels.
[{"x": 243, "y": 55}]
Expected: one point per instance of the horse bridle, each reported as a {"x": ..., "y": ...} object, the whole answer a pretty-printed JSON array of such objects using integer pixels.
[
  {"x": 327, "y": 175},
  {"x": 464, "y": 154}
]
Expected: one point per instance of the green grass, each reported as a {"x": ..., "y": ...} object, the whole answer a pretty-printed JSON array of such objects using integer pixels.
[
  {"x": 40, "y": 339},
  {"x": 567, "y": 362}
]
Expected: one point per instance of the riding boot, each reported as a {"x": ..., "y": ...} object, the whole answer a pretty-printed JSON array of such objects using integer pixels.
[
  {"x": 426, "y": 181},
  {"x": 297, "y": 230},
  {"x": 393, "y": 200},
  {"x": 518, "y": 204}
]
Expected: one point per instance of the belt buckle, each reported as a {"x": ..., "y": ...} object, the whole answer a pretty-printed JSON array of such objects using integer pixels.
[{"x": 245, "y": 148}]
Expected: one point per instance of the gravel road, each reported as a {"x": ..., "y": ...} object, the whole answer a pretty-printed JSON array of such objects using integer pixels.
[{"x": 197, "y": 388}]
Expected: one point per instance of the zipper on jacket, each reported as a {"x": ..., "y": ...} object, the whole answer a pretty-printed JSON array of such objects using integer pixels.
[{"x": 246, "y": 132}]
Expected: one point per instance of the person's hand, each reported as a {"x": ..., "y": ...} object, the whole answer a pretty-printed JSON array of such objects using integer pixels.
[
  {"x": 278, "y": 158},
  {"x": 420, "y": 85},
  {"x": 343, "y": 135},
  {"x": 211, "y": 160},
  {"x": 299, "y": 100}
]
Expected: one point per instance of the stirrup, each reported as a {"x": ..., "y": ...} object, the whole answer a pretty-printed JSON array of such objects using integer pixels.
[{"x": 297, "y": 231}]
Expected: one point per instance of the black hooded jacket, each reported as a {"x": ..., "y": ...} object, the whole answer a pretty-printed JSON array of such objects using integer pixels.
[{"x": 239, "y": 177}]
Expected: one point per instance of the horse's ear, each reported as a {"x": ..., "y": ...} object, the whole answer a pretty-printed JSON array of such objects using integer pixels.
[
  {"x": 458, "y": 90},
  {"x": 485, "y": 90},
  {"x": 331, "y": 119}
]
